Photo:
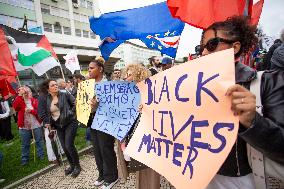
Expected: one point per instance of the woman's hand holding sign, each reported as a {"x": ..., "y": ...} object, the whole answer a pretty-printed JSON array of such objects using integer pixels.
[
  {"x": 243, "y": 104},
  {"x": 94, "y": 103}
]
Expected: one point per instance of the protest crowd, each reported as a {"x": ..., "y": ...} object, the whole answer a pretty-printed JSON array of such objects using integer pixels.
[{"x": 49, "y": 116}]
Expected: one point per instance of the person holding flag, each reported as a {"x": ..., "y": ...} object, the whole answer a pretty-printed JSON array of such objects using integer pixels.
[{"x": 29, "y": 123}]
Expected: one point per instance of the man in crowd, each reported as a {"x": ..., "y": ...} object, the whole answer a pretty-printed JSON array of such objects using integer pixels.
[
  {"x": 166, "y": 63},
  {"x": 116, "y": 75},
  {"x": 77, "y": 78},
  {"x": 71, "y": 88},
  {"x": 61, "y": 85},
  {"x": 154, "y": 61}
]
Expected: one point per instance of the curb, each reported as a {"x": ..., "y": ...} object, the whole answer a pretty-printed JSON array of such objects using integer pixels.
[{"x": 38, "y": 173}]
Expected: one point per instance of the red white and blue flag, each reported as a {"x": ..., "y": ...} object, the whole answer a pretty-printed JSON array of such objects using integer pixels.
[{"x": 149, "y": 20}]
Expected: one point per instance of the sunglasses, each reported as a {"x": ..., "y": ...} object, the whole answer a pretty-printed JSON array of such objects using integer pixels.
[{"x": 213, "y": 43}]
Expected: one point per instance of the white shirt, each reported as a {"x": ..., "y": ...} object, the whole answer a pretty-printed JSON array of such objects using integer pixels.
[{"x": 6, "y": 109}]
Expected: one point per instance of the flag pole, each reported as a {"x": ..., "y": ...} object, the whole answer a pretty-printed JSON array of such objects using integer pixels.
[
  {"x": 18, "y": 80},
  {"x": 62, "y": 71}
]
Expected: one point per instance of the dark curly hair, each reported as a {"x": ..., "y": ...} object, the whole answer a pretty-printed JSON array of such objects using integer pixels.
[
  {"x": 237, "y": 28},
  {"x": 43, "y": 87}
]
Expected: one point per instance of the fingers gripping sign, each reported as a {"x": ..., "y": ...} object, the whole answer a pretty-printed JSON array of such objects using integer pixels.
[{"x": 243, "y": 104}]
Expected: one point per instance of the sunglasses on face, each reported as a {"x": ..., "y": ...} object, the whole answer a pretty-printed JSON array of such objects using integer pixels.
[
  {"x": 53, "y": 85},
  {"x": 213, "y": 43}
]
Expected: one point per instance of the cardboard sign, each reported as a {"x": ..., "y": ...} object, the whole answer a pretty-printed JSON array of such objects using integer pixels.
[
  {"x": 187, "y": 128},
  {"x": 118, "y": 105},
  {"x": 85, "y": 92}
]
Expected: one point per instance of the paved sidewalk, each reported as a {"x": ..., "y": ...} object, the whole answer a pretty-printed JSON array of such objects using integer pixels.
[{"x": 56, "y": 178}]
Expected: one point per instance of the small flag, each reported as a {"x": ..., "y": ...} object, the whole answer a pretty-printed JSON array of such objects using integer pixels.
[{"x": 72, "y": 62}]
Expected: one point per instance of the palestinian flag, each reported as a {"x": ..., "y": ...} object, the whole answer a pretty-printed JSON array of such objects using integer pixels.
[{"x": 30, "y": 51}]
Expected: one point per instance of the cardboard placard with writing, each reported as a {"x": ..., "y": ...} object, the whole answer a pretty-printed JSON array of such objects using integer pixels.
[
  {"x": 118, "y": 107},
  {"x": 187, "y": 128},
  {"x": 85, "y": 92}
]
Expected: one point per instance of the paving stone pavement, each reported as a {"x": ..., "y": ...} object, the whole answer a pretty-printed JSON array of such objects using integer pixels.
[{"x": 55, "y": 179}]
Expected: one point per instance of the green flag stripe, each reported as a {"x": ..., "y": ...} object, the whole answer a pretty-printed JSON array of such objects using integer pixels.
[{"x": 33, "y": 58}]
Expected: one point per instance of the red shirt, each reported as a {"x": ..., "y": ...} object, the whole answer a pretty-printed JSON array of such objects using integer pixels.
[{"x": 20, "y": 106}]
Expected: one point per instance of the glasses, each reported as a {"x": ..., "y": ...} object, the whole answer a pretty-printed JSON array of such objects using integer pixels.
[
  {"x": 213, "y": 43},
  {"x": 53, "y": 85}
]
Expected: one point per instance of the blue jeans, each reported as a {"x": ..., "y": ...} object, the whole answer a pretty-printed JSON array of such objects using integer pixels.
[
  {"x": 1, "y": 159},
  {"x": 26, "y": 136},
  {"x": 88, "y": 134}
]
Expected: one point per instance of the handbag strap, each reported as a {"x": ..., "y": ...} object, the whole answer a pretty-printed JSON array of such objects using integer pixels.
[{"x": 255, "y": 157}]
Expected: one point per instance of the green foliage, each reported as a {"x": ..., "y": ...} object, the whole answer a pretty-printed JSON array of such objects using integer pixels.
[{"x": 12, "y": 170}]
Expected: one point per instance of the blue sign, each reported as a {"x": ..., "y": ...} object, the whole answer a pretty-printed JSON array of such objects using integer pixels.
[{"x": 117, "y": 110}]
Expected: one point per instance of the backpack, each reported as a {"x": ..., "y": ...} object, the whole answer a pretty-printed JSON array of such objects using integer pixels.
[{"x": 267, "y": 173}]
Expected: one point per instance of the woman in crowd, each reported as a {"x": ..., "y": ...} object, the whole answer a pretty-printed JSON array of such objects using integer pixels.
[
  {"x": 146, "y": 178},
  {"x": 5, "y": 120},
  {"x": 57, "y": 110},
  {"x": 28, "y": 123},
  {"x": 103, "y": 143},
  {"x": 265, "y": 133}
]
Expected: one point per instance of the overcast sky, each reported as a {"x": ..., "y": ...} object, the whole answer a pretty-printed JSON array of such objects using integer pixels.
[{"x": 271, "y": 21}]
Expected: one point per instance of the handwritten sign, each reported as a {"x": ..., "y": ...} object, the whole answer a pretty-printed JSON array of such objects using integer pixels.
[
  {"x": 118, "y": 105},
  {"x": 187, "y": 128},
  {"x": 85, "y": 93}
]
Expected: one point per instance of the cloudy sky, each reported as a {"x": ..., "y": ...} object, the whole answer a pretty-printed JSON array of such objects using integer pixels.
[{"x": 271, "y": 21}]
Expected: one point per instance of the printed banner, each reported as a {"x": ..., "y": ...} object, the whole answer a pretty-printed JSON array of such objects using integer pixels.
[
  {"x": 85, "y": 92},
  {"x": 187, "y": 125},
  {"x": 117, "y": 110}
]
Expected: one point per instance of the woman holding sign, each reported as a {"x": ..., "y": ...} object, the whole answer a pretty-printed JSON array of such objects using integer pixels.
[
  {"x": 103, "y": 143},
  {"x": 263, "y": 132},
  {"x": 146, "y": 178}
]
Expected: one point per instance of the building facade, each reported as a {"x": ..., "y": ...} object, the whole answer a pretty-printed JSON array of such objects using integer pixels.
[{"x": 132, "y": 53}]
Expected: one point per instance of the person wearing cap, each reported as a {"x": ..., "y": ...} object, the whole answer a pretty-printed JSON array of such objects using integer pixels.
[{"x": 166, "y": 63}]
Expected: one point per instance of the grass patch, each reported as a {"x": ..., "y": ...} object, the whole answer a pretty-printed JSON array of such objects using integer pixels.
[{"x": 12, "y": 170}]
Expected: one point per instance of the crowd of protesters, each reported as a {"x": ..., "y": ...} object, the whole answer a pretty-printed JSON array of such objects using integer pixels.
[{"x": 54, "y": 111}]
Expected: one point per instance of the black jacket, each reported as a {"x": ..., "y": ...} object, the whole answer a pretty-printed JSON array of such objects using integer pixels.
[
  {"x": 266, "y": 65},
  {"x": 66, "y": 104},
  {"x": 267, "y": 131},
  {"x": 277, "y": 60}
]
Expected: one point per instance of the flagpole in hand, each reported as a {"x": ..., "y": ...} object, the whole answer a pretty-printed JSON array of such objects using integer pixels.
[
  {"x": 33, "y": 142},
  {"x": 62, "y": 72}
]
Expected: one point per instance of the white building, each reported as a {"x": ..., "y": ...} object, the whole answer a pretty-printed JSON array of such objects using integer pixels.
[{"x": 132, "y": 53}]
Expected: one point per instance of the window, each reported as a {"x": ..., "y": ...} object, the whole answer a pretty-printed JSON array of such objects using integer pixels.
[
  {"x": 27, "y": 4},
  {"x": 15, "y": 22},
  {"x": 45, "y": 9},
  {"x": 59, "y": 12},
  {"x": 67, "y": 30},
  {"x": 57, "y": 29},
  {"x": 89, "y": 5},
  {"x": 84, "y": 18},
  {"x": 77, "y": 17},
  {"x": 85, "y": 33},
  {"x": 47, "y": 27},
  {"x": 78, "y": 32},
  {"x": 93, "y": 35},
  {"x": 83, "y": 3}
]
